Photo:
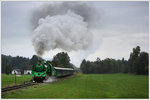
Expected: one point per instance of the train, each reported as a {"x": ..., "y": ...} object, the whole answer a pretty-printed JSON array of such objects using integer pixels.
[{"x": 43, "y": 69}]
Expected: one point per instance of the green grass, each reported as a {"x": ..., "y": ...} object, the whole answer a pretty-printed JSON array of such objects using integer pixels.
[
  {"x": 88, "y": 86},
  {"x": 8, "y": 80}
]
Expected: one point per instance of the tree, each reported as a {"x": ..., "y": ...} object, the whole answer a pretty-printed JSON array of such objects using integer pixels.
[
  {"x": 133, "y": 56},
  {"x": 24, "y": 66},
  {"x": 15, "y": 62},
  {"x": 141, "y": 63},
  {"x": 137, "y": 64},
  {"x": 8, "y": 69},
  {"x": 125, "y": 67},
  {"x": 34, "y": 60},
  {"x": 82, "y": 66},
  {"x": 98, "y": 60},
  {"x": 138, "y": 61},
  {"x": 62, "y": 60},
  {"x": 5, "y": 60}
]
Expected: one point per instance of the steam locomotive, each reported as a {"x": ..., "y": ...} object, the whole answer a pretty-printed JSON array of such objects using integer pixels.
[{"x": 44, "y": 69}]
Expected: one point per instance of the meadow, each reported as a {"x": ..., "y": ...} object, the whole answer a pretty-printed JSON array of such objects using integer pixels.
[
  {"x": 88, "y": 86},
  {"x": 9, "y": 80}
]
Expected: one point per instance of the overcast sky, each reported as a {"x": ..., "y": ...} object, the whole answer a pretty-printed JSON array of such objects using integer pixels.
[{"x": 121, "y": 27}]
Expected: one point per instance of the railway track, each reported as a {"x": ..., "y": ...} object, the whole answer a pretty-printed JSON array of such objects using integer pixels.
[
  {"x": 10, "y": 88},
  {"x": 17, "y": 87}
]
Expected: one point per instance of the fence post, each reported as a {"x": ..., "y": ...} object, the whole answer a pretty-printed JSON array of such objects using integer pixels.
[{"x": 15, "y": 77}]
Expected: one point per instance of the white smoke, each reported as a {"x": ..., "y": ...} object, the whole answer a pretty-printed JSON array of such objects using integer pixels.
[
  {"x": 50, "y": 79},
  {"x": 68, "y": 32}
]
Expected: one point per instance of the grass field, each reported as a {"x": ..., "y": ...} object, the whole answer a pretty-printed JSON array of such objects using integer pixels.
[
  {"x": 88, "y": 86},
  {"x": 8, "y": 80}
]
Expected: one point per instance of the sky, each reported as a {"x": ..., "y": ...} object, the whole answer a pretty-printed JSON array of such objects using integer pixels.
[{"x": 119, "y": 27}]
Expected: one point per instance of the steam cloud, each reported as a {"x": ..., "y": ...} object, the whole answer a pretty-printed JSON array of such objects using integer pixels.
[{"x": 63, "y": 25}]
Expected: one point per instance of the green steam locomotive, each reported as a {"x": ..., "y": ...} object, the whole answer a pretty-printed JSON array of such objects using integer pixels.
[{"x": 44, "y": 69}]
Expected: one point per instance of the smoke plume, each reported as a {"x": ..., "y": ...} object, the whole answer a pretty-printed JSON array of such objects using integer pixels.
[{"x": 63, "y": 25}]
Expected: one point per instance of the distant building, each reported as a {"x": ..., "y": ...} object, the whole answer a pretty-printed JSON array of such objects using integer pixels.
[
  {"x": 17, "y": 71},
  {"x": 27, "y": 71}
]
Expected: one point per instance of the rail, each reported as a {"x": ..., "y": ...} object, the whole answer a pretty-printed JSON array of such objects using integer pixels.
[{"x": 17, "y": 87}]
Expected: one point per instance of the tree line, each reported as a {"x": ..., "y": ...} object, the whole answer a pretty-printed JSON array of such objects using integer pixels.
[
  {"x": 136, "y": 64},
  {"x": 9, "y": 63}
]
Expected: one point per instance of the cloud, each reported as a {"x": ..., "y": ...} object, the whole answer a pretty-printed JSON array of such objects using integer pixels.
[
  {"x": 120, "y": 27},
  {"x": 119, "y": 45},
  {"x": 17, "y": 47},
  {"x": 130, "y": 17}
]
